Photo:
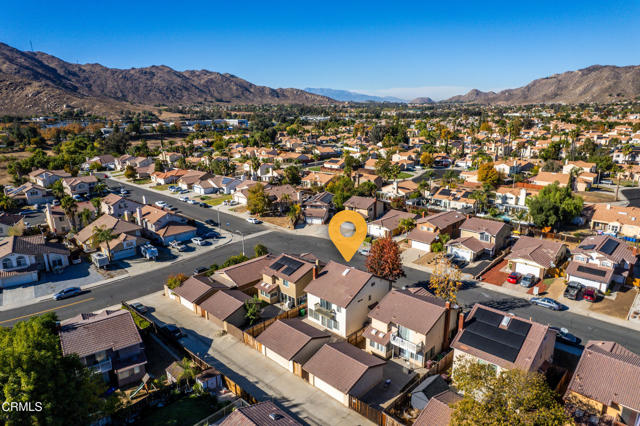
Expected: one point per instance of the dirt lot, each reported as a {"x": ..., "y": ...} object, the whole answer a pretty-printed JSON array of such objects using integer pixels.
[
  {"x": 425, "y": 260},
  {"x": 618, "y": 308},
  {"x": 283, "y": 222},
  {"x": 596, "y": 196},
  {"x": 8, "y": 157},
  {"x": 239, "y": 209}
]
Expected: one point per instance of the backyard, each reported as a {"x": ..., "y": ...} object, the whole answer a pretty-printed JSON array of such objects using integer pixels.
[{"x": 185, "y": 411}]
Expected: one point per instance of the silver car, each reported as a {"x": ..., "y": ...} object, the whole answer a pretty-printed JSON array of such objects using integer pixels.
[{"x": 546, "y": 302}]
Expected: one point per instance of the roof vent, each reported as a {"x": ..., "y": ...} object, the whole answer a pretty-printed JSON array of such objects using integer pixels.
[
  {"x": 505, "y": 321},
  {"x": 275, "y": 416},
  {"x": 346, "y": 271}
]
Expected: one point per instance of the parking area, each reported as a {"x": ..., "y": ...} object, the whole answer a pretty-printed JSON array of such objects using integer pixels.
[{"x": 262, "y": 378}]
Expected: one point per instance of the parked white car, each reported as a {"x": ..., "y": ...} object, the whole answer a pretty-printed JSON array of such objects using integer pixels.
[
  {"x": 198, "y": 241},
  {"x": 254, "y": 220},
  {"x": 192, "y": 202},
  {"x": 160, "y": 203},
  {"x": 177, "y": 245},
  {"x": 183, "y": 198}
]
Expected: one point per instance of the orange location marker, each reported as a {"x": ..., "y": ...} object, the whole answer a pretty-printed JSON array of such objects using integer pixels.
[{"x": 347, "y": 231}]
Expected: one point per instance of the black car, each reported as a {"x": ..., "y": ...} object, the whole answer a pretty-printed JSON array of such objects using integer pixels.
[
  {"x": 211, "y": 234},
  {"x": 173, "y": 331},
  {"x": 211, "y": 222},
  {"x": 573, "y": 291},
  {"x": 563, "y": 336},
  {"x": 199, "y": 270}
]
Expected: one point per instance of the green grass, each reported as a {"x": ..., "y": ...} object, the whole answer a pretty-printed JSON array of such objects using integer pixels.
[
  {"x": 185, "y": 411},
  {"x": 315, "y": 168},
  {"x": 404, "y": 175},
  {"x": 161, "y": 187},
  {"x": 218, "y": 200},
  {"x": 142, "y": 181},
  {"x": 140, "y": 322}
]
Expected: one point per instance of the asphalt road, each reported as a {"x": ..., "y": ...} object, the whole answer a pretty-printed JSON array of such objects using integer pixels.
[
  {"x": 130, "y": 288},
  {"x": 229, "y": 222}
]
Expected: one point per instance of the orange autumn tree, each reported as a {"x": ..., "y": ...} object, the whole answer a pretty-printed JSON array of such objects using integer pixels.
[{"x": 384, "y": 259}]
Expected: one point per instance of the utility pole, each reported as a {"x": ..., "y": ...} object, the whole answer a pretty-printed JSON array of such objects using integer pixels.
[{"x": 238, "y": 231}]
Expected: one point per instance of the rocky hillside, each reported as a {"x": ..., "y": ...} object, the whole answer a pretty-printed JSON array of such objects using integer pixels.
[
  {"x": 35, "y": 82},
  {"x": 424, "y": 100},
  {"x": 594, "y": 84}
]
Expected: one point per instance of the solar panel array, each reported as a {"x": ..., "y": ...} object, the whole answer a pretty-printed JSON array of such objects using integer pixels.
[
  {"x": 290, "y": 265},
  {"x": 609, "y": 246},
  {"x": 484, "y": 333},
  {"x": 592, "y": 271}
]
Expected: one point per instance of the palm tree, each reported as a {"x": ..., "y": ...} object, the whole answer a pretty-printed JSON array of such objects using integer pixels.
[
  {"x": 407, "y": 225},
  {"x": 294, "y": 214},
  {"x": 85, "y": 217},
  {"x": 57, "y": 189},
  {"x": 100, "y": 188},
  {"x": 97, "y": 204},
  {"x": 70, "y": 207},
  {"x": 255, "y": 165},
  {"x": 285, "y": 200},
  {"x": 103, "y": 235}
]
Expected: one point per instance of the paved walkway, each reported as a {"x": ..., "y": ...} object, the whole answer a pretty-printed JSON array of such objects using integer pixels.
[{"x": 261, "y": 377}]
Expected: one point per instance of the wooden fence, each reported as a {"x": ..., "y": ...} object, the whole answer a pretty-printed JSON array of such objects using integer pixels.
[
  {"x": 373, "y": 414},
  {"x": 357, "y": 339},
  {"x": 291, "y": 313}
]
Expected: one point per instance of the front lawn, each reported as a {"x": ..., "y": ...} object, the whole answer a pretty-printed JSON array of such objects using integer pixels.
[
  {"x": 142, "y": 181},
  {"x": 315, "y": 168},
  {"x": 185, "y": 411},
  {"x": 404, "y": 175},
  {"x": 217, "y": 200},
  {"x": 161, "y": 187}
]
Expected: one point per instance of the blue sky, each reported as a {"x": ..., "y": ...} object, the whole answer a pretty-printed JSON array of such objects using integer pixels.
[{"x": 403, "y": 49}]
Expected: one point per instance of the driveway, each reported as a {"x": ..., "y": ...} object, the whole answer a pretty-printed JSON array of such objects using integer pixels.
[
  {"x": 262, "y": 378},
  {"x": 475, "y": 268}
]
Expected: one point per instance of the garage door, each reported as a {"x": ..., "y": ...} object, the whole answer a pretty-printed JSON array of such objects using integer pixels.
[
  {"x": 600, "y": 286},
  {"x": 277, "y": 358},
  {"x": 421, "y": 246},
  {"x": 187, "y": 304},
  {"x": 524, "y": 269},
  {"x": 330, "y": 390},
  {"x": 465, "y": 254}
]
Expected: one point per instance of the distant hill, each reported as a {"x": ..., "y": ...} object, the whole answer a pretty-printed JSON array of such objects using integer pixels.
[
  {"x": 596, "y": 83},
  {"x": 35, "y": 82},
  {"x": 423, "y": 100},
  {"x": 347, "y": 96}
]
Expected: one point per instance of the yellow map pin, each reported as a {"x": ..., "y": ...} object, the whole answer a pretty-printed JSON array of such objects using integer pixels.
[{"x": 347, "y": 230}]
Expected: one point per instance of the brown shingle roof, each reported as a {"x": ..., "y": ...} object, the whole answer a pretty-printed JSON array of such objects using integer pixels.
[
  {"x": 294, "y": 276},
  {"x": 287, "y": 337},
  {"x": 391, "y": 219},
  {"x": 341, "y": 365},
  {"x": 444, "y": 219},
  {"x": 265, "y": 413},
  {"x": 86, "y": 334},
  {"x": 338, "y": 284},
  {"x": 360, "y": 203},
  {"x": 608, "y": 373},
  {"x": 243, "y": 273},
  {"x": 475, "y": 224},
  {"x": 542, "y": 252},
  {"x": 413, "y": 311},
  {"x": 438, "y": 410},
  {"x": 196, "y": 288},
  {"x": 31, "y": 245},
  {"x": 224, "y": 303}
]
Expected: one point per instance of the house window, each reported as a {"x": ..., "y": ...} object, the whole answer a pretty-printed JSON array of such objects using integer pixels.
[
  {"x": 21, "y": 261},
  {"x": 136, "y": 369},
  {"x": 7, "y": 264},
  {"x": 404, "y": 332},
  {"x": 124, "y": 374},
  {"x": 285, "y": 283},
  {"x": 606, "y": 264},
  {"x": 100, "y": 356},
  {"x": 326, "y": 305},
  {"x": 485, "y": 237}
]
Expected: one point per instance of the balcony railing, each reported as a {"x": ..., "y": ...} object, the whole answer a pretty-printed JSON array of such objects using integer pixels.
[
  {"x": 400, "y": 342},
  {"x": 102, "y": 367},
  {"x": 324, "y": 311}
]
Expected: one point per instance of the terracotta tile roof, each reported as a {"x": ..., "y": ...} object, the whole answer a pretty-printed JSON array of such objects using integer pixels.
[
  {"x": 32, "y": 245},
  {"x": 287, "y": 337},
  {"x": 341, "y": 365},
  {"x": 608, "y": 373},
  {"x": 550, "y": 177},
  {"x": 223, "y": 303},
  {"x": 265, "y": 413},
  {"x": 338, "y": 284},
  {"x": 117, "y": 226},
  {"x": 413, "y": 311},
  {"x": 86, "y": 334}
]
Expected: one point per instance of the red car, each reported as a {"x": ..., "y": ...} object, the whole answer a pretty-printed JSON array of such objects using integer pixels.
[
  {"x": 514, "y": 277},
  {"x": 590, "y": 294}
]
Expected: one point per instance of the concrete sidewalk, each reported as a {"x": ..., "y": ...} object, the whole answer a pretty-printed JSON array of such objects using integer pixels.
[{"x": 261, "y": 377}]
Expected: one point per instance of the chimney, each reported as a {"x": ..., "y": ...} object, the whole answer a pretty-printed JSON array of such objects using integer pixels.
[
  {"x": 460, "y": 321},
  {"x": 126, "y": 215},
  {"x": 139, "y": 216},
  {"x": 423, "y": 214},
  {"x": 635, "y": 250},
  {"x": 447, "y": 325},
  {"x": 608, "y": 206},
  {"x": 315, "y": 272}
]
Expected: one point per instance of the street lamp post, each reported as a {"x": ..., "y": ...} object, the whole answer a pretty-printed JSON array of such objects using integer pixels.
[{"x": 241, "y": 233}]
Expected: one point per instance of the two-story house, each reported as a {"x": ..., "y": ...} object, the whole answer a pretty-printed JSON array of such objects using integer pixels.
[
  {"x": 108, "y": 343},
  {"x": 601, "y": 260},
  {"x": 503, "y": 340},
  {"x": 60, "y": 224},
  {"x": 429, "y": 228},
  {"x": 415, "y": 326},
  {"x": 536, "y": 256},
  {"x": 285, "y": 279},
  {"x": 370, "y": 208},
  {"x": 606, "y": 381},
  {"x": 615, "y": 220},
  {"x": 29, "y": 193},
  {"x": 21, "y": 259},
  {"x": 453, "y": 199},
  {"x": 164, "y": 226},
  {"x": 46, "y": 178},
  {"x": 116, "y": 205},
  {"x": 80, "y": 185},
  {"x": 478, "y": 236},
  {"x": 341, "y": 297},
  {"x": 85, "y": 237},
  {"x": 10, "y": 221},
  {"x": 513, "y": 199}
]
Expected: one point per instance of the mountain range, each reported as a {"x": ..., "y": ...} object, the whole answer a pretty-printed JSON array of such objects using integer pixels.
[
  {"x": 597, "y": 83},
  {"x": 35, "y": 82},
  {"x": 348, "y": 96}
]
